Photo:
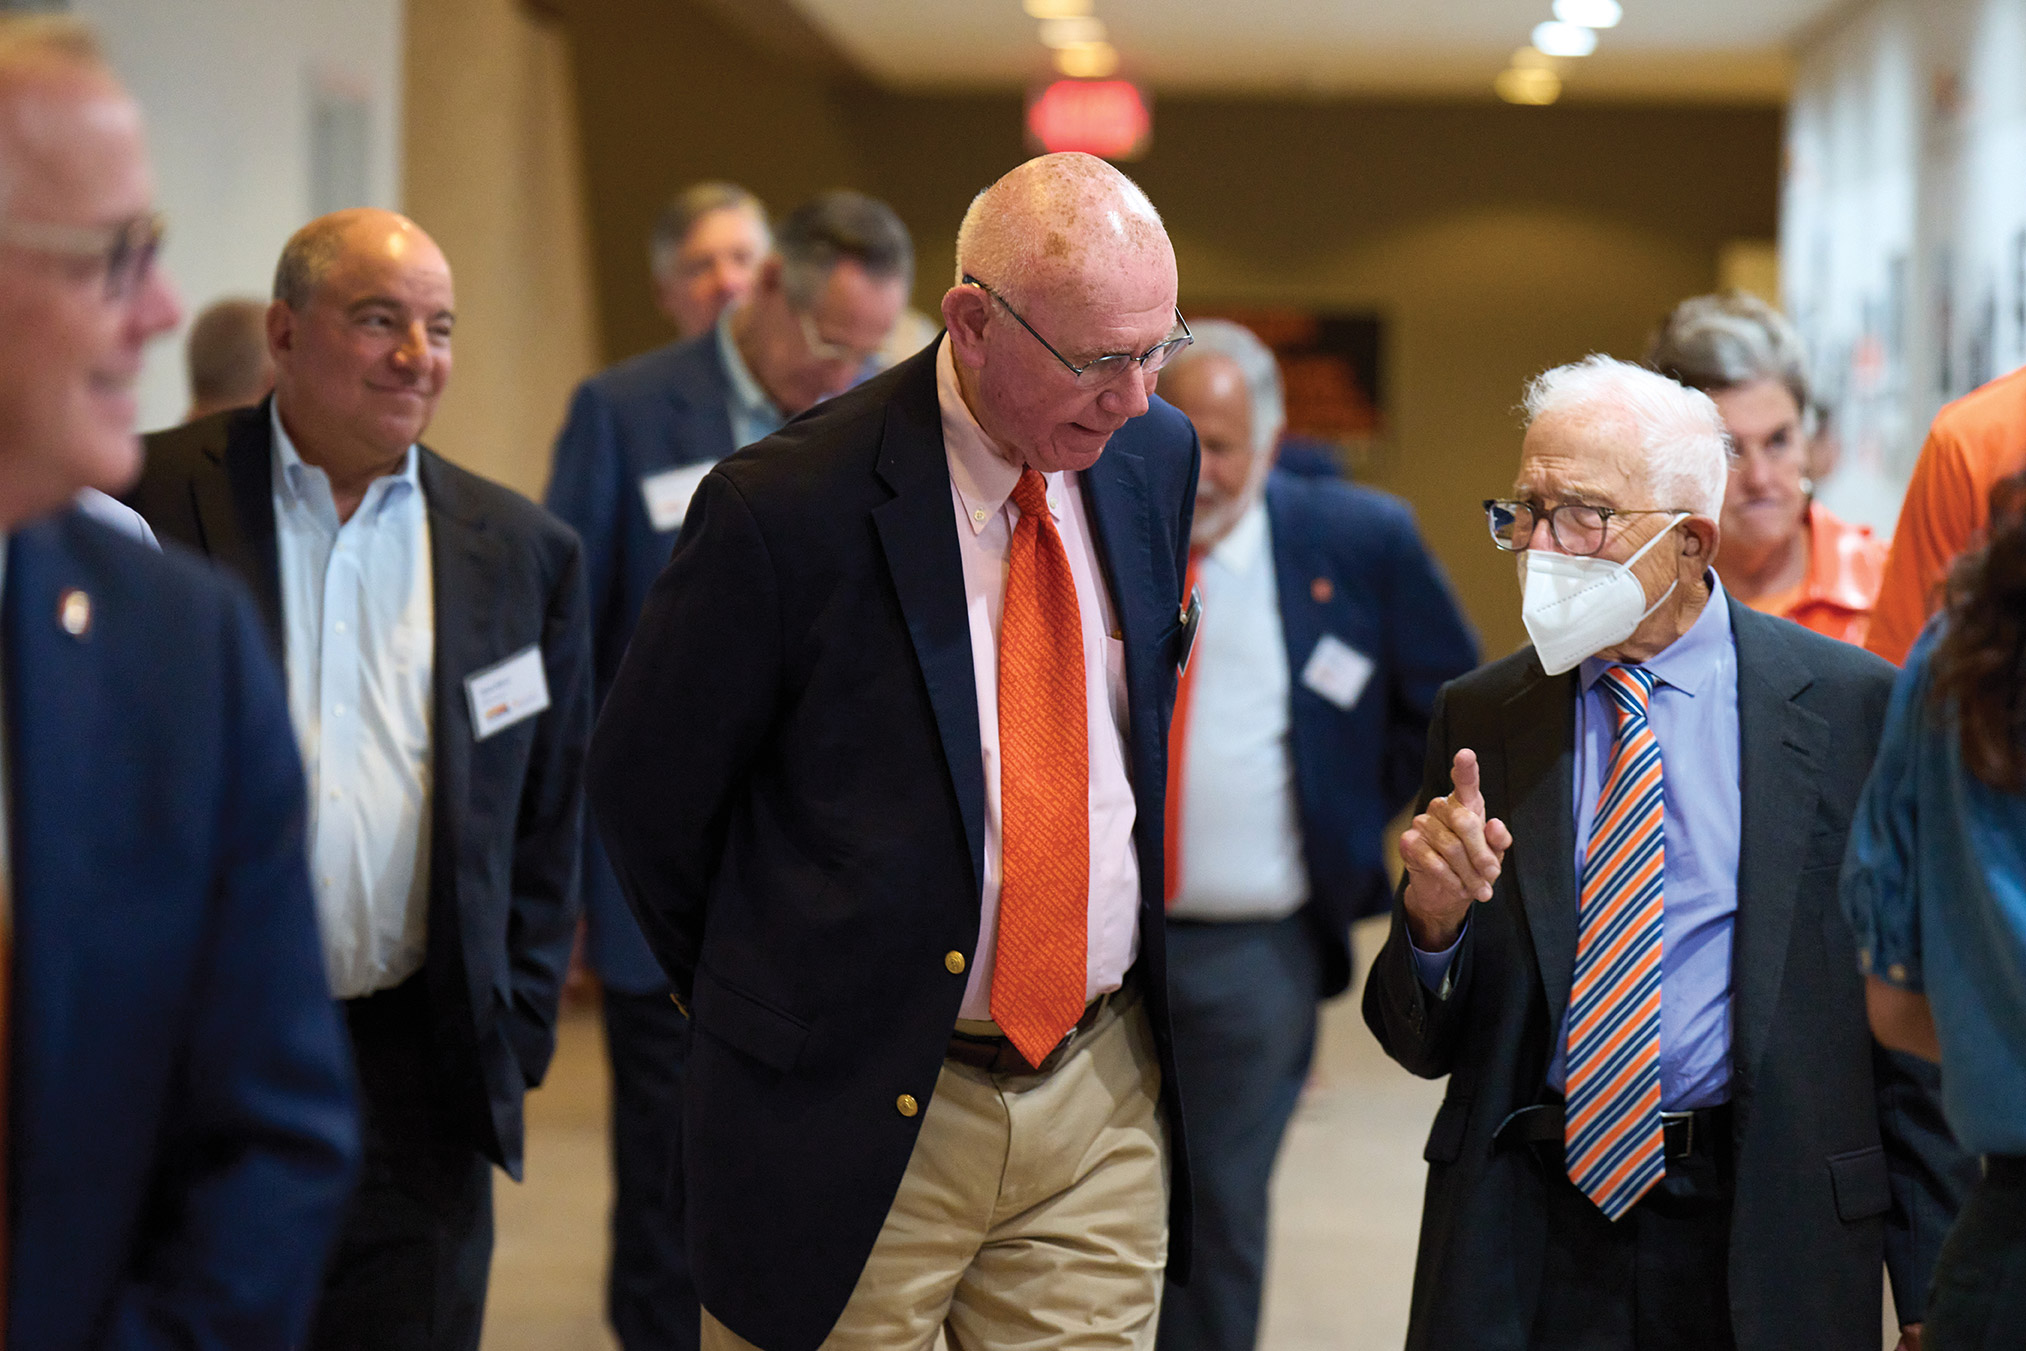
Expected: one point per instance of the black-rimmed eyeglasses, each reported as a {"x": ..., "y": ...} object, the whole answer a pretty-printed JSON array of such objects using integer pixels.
[
  {"x": 125, "y": 252},
  {"x": 1578, "y": 528},
  {"x": 1105, "y": 369}
]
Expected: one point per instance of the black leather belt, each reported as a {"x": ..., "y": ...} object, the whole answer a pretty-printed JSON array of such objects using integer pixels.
[
  {"x": 998, "y": 1055},
  {"x": 1683, "y": 1133}
]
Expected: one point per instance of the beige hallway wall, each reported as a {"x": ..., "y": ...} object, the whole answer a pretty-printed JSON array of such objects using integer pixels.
[{"x": 493, "y": 173}]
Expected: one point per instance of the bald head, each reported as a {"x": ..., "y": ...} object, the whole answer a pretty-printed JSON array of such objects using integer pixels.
[
  {"x": 1060, "y": 220},
  {"x": 360, "y": 332},
  {"x": 1069, "y": 249}
]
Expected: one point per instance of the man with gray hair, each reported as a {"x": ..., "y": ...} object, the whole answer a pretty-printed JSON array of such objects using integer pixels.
[
  {"x": 1299, "y": 728},
  {"x": 1667, "y": 1124},
  {"x": 640, "y": 437},
  {"x": 705, "y": 253},
  {"x": 881, "y": 775}
]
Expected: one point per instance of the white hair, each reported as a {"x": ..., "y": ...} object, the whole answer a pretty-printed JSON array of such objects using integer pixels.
[
  {"x": 1256, "y": 365},
  {"x": 1679, "y": 432}
]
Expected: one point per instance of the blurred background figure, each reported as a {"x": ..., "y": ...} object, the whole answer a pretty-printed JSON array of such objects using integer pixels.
[
  {"x": 1299, "y": 730},
  {"x": 227, "y": 357},
  {"x": 706, "y": 252},
  {"x": 639, "y": 439},
  {"x": 432, "y": 630},
  {"x": 1783, "y": 553},
  {"x": 178, "y": 1114},
  {"x": 1973, "y": 444},
  {"x": 1935, "y": 890}
]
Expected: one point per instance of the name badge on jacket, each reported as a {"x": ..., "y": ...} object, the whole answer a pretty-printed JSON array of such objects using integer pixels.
[
  {"x": 1337, "y": 671},
  {"x": 667, "y": 494},
  {"x": 507, "y": 692}
]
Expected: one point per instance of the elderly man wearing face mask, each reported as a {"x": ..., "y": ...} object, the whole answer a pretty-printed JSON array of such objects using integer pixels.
[
  {"x": 1784, "y": 553},
  {"x": 1667, "y": 1124},
  {"x": 1298, "y": 733}
]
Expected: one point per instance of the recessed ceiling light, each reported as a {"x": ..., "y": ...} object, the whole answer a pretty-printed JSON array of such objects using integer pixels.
[
  {"x": 1056, "y": 9},
  {"x": 1533, "y": 87},
  {"x": 1564, "y": 39},
  {"x": 1073, "y": 31},
  {"x": 1088, "y": 61},
  {"x": 1590, "y": 13}
]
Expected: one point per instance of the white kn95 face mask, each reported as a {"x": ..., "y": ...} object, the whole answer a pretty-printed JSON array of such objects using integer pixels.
[{"x": 1576, "y": 607}]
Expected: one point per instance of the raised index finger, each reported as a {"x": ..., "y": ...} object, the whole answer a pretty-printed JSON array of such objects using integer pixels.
[{"x": 1463, "y": 773}]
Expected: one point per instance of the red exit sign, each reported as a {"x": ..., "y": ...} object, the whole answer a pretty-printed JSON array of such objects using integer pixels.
[{"x": 1111, "y": 119}]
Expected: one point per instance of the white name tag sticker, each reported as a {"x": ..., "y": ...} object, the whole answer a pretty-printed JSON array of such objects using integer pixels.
[
  {"x": 1337, "y": 671},
  {"x": 507, "y": 692},
  {"x": 668, "y": 493}
]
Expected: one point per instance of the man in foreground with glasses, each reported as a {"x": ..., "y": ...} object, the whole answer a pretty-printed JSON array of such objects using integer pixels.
[
  {"x": 881, "y": 776},
  {"x": 640, "y": 437},
  {"x": 1667, "y": 1124},
  {"x": 175, "y": 1098}
]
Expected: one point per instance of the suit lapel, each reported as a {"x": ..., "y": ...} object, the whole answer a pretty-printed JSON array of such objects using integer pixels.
[
  {"x": 466, "y": 561},
  {"x": 1296, "y": 564},
  {"x": 1539, "y": 788},
  {"x": 56, "y": 784},
  {"x": 235, "y": 510},
  {"x": 918, "y": 534},
  {"x": 1780, "y": 755}
]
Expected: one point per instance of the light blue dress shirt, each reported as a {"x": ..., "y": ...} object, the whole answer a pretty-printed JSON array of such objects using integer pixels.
[
  {"x": 1694, "y": 714},
  {"x": 1934, "y": 886},
  {"x": 754, "y": 416},
  {"x": 358, "y": 613}
]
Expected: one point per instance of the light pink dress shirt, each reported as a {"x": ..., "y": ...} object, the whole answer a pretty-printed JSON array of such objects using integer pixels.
[{"x": 981, "y": 484}]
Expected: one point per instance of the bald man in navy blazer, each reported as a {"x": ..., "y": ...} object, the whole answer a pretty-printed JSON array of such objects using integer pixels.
[{"x": 179, "y": 1108}]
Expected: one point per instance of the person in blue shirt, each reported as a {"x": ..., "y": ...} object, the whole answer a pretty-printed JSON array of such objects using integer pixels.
[{"x": 1934, "y": 887}]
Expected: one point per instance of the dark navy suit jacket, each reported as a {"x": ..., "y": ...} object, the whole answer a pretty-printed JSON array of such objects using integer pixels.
[
  {"x": 788, "y": 777},
  {"x": 1350, "y": 563},
  {"x": 181, "y": 1128},
  {"x": 507, "y": 811},
  {"x": 658, "y": 411}
]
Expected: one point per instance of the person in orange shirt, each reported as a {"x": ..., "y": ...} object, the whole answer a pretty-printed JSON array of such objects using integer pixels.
[
  {"x": 1783, "y": 553},
  {"x": 1974, "y": 442}
]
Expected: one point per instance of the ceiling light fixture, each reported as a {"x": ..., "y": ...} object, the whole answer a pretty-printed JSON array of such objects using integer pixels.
[
  {"x": 1074, "y": 31},
  {"x": 1590, "y": 13},
  {"x": 1056, "y": 9},
  {"x": 1556, "y": 38},
  {"x": 1535, "y": 88},
  {"x": 1087, "y": 60}
]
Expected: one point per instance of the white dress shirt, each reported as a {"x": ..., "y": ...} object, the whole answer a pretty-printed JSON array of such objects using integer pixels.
[
  {"x": 981, "y": 486},
  {"x": 1241, "y": 848},
  {"x": 358, "y": 609}
]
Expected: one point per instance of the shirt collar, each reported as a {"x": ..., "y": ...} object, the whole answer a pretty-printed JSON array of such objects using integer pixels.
[
  {"x": 747, "y": 391},
  {"x": 1689, "y": 661},
  {"x": 984, "y": 477},
  {"x": 293, "y": 472},
  {"x": 1246, "y": 541}
]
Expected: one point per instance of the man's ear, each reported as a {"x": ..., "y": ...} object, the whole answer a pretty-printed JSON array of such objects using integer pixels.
[
  {"x": 280, "y": 328},
  {"x": 1699, "y": 538},
  {"x": 965, "y": 311},
  {"x": 768, "y": 280}
]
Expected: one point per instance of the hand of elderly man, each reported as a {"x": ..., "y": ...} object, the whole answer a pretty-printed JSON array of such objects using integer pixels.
[{"x": 1452, "y": 855}]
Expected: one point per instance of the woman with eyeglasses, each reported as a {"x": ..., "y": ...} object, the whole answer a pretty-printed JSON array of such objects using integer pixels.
[
  {"x": 1783, "y": 553},
  {"x": 1934, "y": 886}
]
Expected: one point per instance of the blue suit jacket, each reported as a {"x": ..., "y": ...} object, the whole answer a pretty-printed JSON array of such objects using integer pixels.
[
  {"x": 788, "y": 776},
  {"x": 1349, "y": 562},
  {"x": 658, "y": 411},
  {"x": 180, "y": 1127}
]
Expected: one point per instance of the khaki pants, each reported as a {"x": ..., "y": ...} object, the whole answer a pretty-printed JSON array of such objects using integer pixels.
[{"x": 1033, "y": 1215}]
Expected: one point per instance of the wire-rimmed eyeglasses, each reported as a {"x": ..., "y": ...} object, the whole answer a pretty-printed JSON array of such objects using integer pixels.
[
  {"x": 124, "y": 251},
  {"x": 1578, "y": 527},
  {"x": 1100, "y": 370}
]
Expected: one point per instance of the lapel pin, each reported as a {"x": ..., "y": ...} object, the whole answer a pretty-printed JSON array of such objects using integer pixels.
[
  {"x": 73, "y": 612},
  {"x": 1322, "y": 588}
]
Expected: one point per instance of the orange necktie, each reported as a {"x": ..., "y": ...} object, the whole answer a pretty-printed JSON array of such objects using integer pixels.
[
  {"x": 1178, "y": 755},
  {"x": 1040, "y": 972}
]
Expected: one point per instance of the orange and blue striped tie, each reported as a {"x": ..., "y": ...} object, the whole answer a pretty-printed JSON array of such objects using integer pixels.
[{"x": 1613, "y": 1140}]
